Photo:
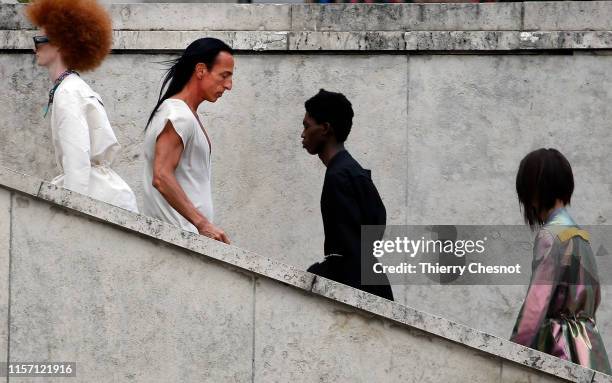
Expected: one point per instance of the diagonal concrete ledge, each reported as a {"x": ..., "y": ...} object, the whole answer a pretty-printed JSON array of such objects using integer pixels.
[{"x": 277, "y": 271}]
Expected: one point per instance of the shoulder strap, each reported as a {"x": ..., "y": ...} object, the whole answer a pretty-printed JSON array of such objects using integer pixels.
[{"x": 573, "y": 232}]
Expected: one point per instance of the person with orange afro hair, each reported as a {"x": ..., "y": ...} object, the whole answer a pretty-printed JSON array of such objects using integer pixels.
[{"x": 76, "y": 35}]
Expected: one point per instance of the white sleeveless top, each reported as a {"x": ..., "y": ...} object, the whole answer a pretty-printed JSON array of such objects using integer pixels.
[
  {"x": 193, "y": 172},
  {"x": 85, "y": 145}
]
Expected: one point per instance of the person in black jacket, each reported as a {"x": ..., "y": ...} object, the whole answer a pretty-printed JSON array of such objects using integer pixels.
[{"x": 349, "y": 198}]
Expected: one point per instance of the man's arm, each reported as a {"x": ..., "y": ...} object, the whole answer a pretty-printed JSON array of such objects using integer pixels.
[{"x": 168, "y": 151}]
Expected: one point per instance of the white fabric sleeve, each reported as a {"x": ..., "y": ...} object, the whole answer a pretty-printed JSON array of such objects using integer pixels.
[
  {"x": 73, "y": 137},
  {"x": 182, "y": 124}
]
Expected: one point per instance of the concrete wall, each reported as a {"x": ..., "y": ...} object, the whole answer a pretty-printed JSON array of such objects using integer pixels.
[
  {"x": 448, "y": 99},
  {"x": 167, "y": 305}
]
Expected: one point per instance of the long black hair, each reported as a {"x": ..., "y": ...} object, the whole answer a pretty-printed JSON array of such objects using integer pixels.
[
  {"x": 544, "y": 176},
  {"x": 204, "y": 50}
]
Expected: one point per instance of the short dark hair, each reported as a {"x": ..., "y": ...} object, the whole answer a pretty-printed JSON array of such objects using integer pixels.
[
  {"x": 333, "y": 108},
  {"x": 544, "y": 176}
]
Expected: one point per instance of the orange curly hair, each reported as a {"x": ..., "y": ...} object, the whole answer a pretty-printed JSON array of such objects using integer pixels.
[{"x": 81, "y": 29}]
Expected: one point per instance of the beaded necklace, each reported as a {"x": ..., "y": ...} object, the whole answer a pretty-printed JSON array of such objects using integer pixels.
[{"x": 56, "y": 84}]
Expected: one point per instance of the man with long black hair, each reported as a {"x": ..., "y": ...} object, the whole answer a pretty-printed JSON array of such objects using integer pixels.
[
  {"x": 349, "y": 198},
  {"x": 177, "y": 177}
]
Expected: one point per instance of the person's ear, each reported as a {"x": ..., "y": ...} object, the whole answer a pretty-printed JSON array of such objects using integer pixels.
[
  {"x": 200, "y": 70},
  {"x": 327, "y": 129}
]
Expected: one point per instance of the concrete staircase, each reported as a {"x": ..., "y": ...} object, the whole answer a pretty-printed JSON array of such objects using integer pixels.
[{"x": 129, "y": 298}]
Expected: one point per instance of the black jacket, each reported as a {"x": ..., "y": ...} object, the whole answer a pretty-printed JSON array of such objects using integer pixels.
[{"x": 349, "y": 200}]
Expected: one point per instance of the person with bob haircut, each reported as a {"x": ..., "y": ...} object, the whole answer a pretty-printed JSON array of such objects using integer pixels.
[
  {"x": 558, "y": 314},
  {"x": 76, "y": 35},
  {"x": 349, "y": 198},
  {"x": 177, "y": 148}
]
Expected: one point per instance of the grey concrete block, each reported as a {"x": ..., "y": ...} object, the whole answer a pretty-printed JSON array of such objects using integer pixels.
[
  {"x": 122, "y": 306},
  {"x": 176, "y": 17},
  {"x": 507, "y": 106},
  {"x": 461, "y": 40},
  {"x": 12, "y": 17},
  {"x": 260, "y": 41},
  {"x": 5, "y": 247},
  {"x": 552, "y": 365},
  {"x": 201, "y": 17},
  {"x": 565, "y": 40},
  {"x": 487, "y": 343},
  {"x": 166, "y": 40},
  {"x": 568, "y": 16},
  {"x": 159, "y": 230},
  {"x": 303, "y": 339},
  {"x": 347, "y": 41},
  {"x": 17, "y": 181},
  {"x": 348, "y": 295},
  {"x": 602, "y": 378},
  {"x": 513, "y": 373},
  {"x": 403, "y": 17}
]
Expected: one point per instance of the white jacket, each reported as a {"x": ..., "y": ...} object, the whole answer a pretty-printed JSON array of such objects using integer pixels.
[{"x": 85, "y": 145}]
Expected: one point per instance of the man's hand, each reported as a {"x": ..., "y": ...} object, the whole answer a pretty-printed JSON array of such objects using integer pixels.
[
  {"x": 168, "y": 151},
  {"x": 211, "y": 231}
]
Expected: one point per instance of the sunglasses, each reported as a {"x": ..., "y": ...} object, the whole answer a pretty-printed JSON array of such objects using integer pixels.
[{"x": 40, "y": 40}]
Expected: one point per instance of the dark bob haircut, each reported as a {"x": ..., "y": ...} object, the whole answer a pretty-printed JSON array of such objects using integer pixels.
[
  {"x": 544, "y": 176},
  {"x": 333, "y": 108}
]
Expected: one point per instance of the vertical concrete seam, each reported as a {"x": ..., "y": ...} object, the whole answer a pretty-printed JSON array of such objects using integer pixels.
[
  {"x": 522, "y": 16},
  {"x": 290, "y": 26},
  {"x": 501, "y": 371},
  {"x": 407, "y": 133},
  {"x": 314, "y": 280},
  {"x": 8, "y": 311},
  {"x": 253, "y": 338},
  {"x": 406, "y": 183},
  {"x": 39, "y": 189},
  {"x": 593, "y": 377}
]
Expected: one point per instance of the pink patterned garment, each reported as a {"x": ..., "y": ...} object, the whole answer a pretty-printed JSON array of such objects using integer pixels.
[{"x": 558, "y": 315}]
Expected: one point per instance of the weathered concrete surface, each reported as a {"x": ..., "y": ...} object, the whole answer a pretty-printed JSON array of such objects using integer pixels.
[
  {"x": 402, "y": 17},
  {"x": 447, "y": 155},
  {"x": 506, "y": 40},
  {"x": 568, "y": 15},
  {"x": 347, "y": 41},
  {"x": 472, "y": 119},
  {"x": 601, "y": 378},
  {"x": 511, "y": 373},
  {"x": 579, "y": 15},
  {"x": 116, "y": 315},
  {"x": 468, "y": 122},
  {"x": 5, "y": 246},
  {"x": 468, "y": 130},
  {"x": 189, "y": 241},
  {"x": 181, "y": 17},
  {"x": 488, "y": 27},
  {"x": 256, "y": 149},
  {"x": 300, "y": 339},
  {"x": 144, "y": 312}
]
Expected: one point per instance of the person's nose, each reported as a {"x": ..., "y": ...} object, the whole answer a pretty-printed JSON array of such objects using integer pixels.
[
  {"x": 228, "y": 85},
  {"x": 302, "y": 135}
]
